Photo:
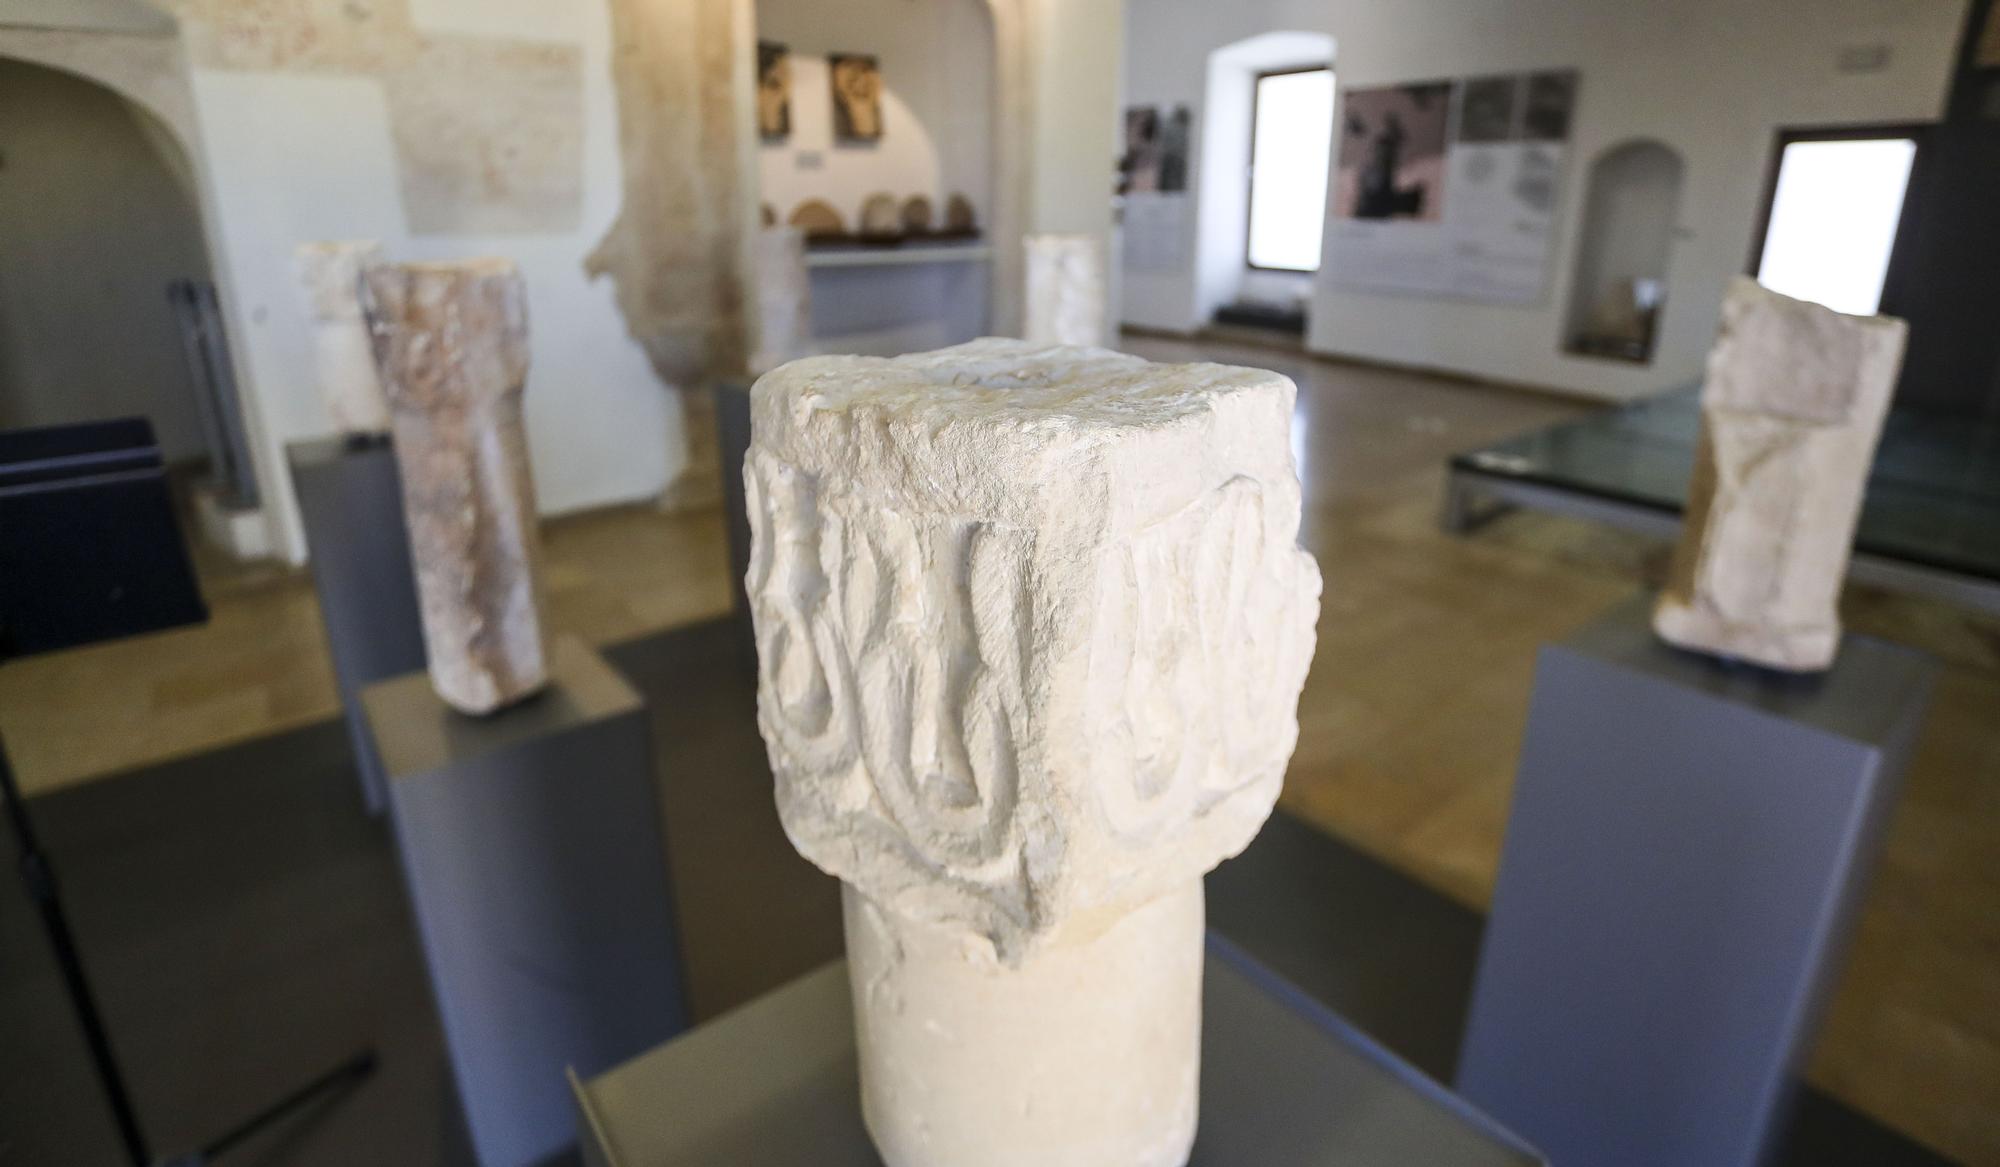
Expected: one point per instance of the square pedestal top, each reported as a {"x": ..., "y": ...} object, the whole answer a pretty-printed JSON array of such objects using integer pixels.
[
  {"x": 417, "y": 733},
  {"x": 1284, "y": 1083},
  {"x": 1869, "y": 695}
]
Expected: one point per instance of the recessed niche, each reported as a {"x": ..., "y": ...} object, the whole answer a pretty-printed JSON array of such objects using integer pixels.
[{"x": 1619, "y": 286}]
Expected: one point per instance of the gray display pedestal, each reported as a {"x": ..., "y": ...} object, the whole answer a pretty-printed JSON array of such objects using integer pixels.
[
  {"x": 531, "y": 844},
  {"x": 1284, "y": 1083},
  {"x": 1689, "y": 842},
  {"x": 351, "y": 503}
]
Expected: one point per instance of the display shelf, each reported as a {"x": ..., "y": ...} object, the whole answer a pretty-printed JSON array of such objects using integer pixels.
[{"x": 899, "y": 256}]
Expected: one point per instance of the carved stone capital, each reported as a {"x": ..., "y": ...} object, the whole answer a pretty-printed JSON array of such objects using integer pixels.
[{"x": 1032, "y": 624}]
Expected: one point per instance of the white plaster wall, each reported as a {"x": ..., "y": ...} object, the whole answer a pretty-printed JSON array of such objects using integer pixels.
[
  {"x": 291, "y": 157},
  {"x": 1712, "y": 78},
  {"x": 937, "y": 59}
]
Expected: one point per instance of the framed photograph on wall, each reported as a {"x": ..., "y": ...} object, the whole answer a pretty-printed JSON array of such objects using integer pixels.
[
  {"x": 1392, "y": 150},
  {"x": 857, "y": 97},
  {"x": 1139, "y": 168},
  {"x": 1450, "y": 188},
  {"x": 774, "y": 91}
]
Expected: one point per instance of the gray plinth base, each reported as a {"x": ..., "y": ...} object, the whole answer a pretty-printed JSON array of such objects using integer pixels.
[
  {"x": 1283, "y": 1082},
  {"x": 531, "y": 844},
  {"x": 351, "y": 503},
  {"x": 1688, "y": 844}
]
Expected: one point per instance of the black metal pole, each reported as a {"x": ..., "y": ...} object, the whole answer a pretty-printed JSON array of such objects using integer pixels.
[
  {"x": 347, "y": 1073},
  {"x": 41, "y": 881}
]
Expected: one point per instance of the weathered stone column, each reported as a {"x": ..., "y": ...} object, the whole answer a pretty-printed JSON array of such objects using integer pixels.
[
  {"x": 1032, "y": 625},
  {"x": 784, "y": 299},
  {"x": 1065, "y": 293},
  {"x": 342, "y": 356},
  {"x": 1790, "y": 413},
  {"x": 452, "y": 343}
]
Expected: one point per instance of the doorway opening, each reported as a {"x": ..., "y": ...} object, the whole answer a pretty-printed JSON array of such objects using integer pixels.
[
  {"x": 1831, "y": 211},
  {"x": 1266, "y": 147}
]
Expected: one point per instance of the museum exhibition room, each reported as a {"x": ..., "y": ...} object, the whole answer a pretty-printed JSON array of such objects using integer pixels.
[{"x": 1000, "y": 583}]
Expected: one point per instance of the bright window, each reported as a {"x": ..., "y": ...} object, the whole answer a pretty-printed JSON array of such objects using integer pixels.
[
  {"x": 1289, "y": 148},
  {"x": 1833, "y": 220}
]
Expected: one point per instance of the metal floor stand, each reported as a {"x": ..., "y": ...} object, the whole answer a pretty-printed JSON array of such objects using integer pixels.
[{"x": 41, "y": 883}]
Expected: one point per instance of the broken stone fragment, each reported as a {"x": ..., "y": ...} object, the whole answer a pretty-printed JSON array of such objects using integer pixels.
[
  {"x": 1032, "y": 623},
  {"x": 1791, "y": 410},
  {"x": 1065, "y": 292},
  {"x": 343, "y": 360},
  {"x": 452, "y": 343}
]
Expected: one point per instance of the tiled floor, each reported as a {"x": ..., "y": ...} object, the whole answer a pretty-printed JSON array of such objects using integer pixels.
[
  {"x": 1410, "y": 723},
  {"x": 260, "y": 665}
]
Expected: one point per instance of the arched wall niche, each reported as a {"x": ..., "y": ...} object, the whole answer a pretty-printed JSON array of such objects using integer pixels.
[
  {"x": 1624, "y": 251},
  {"x": 1004, "y": 205}
]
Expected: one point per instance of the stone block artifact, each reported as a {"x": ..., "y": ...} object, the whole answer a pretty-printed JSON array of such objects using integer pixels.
[
  {"x": 784, "y": 299},
  {"x": 1791, "y": 410},
  {"x": 1032, "y": 624},
  {"x": 342, "y": 357},
  {"x": 1065, "y": 292},
  {"x": 452, "y": 343}
]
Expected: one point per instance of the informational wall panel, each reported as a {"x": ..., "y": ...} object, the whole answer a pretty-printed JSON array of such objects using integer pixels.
[{"x": 1450, "y": 188}]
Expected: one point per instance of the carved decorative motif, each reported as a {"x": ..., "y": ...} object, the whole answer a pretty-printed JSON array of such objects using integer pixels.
[{"x": 997, "y": 716}]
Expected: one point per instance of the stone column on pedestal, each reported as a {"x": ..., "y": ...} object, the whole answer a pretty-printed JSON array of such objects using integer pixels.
[
  {"x": 451, "y": 340},
  {"x": 1791, "y": 410},
  {"x": 342, "y": 358},
  {"x": 1032, "y": 625},
  {"x": 1065, "y": 292},
  {"x": 784, "y": 299}
]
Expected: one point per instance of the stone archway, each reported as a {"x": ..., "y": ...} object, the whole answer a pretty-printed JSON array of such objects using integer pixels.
[
  {"x": 135, "y": 52},
  {"x": 139, "y": 57}
]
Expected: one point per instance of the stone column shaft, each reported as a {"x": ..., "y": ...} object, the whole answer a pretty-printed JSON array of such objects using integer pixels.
[{"x": 452, "y": 343}]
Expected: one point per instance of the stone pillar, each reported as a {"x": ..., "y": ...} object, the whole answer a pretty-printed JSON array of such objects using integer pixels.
[
  {"x": 784, "y": 299},
  {"x": 1032, "y": 626},
  {"x": 452, "y": 343},
  {"x": 1065, "y": 295},
  {"x": 342, "y": 358},
  {"x": 1790, "y": 412}
]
